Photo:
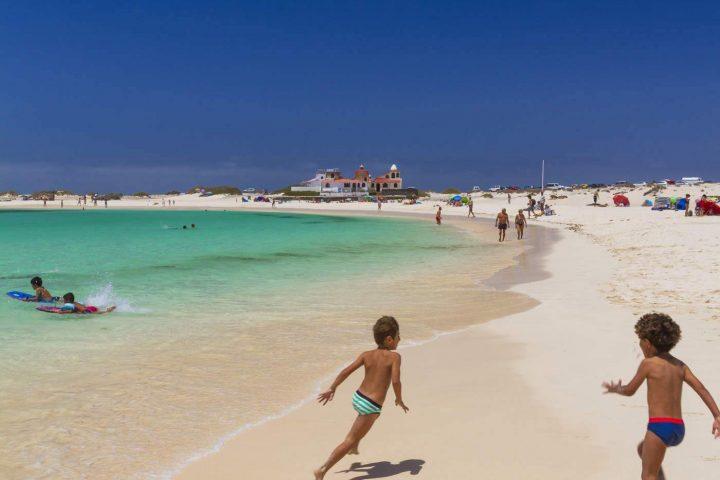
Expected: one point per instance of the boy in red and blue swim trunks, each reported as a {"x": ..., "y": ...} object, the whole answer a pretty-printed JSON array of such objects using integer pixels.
[{"x": 665, "y": 375}]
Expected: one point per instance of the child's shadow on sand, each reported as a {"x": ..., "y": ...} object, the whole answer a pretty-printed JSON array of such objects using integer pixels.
[{"x": 385, "y": 469}]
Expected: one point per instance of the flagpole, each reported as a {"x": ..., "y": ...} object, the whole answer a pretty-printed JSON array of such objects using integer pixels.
[{"x": 542, "y": 177}]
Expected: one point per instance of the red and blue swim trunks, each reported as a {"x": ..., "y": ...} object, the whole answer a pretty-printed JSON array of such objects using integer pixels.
[{"x": 670, "y": 430}]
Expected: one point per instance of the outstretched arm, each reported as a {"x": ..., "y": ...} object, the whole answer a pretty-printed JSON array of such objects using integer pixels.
[
  {"x": 629, "y": 389},
  {"x": 328, "y": 395},
  {"x": 703, "y": 393},
  {"x": 397, "y": 386}
]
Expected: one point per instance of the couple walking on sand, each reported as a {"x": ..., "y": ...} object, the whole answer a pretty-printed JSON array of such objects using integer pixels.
[{"x": 503, "y": 220}]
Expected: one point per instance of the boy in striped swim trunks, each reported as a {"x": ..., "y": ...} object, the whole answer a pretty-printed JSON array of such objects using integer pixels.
[
  {"x": 665, "y": 375},
  {"x": 382, "y": 367}
]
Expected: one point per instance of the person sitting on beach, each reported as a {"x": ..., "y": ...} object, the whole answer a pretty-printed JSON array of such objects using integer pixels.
[
  {"x": 382, "y": 367},
  {"x": 438, "y": 216},
  {"x": 41, "y": 293},
  {"x": 665, "y": 374},
  {"x": 688, "y": 212},
  {"x": 71, "y": 306},
  {"x": 520, "y": 224},
  {"x": 501, "y": 222}
]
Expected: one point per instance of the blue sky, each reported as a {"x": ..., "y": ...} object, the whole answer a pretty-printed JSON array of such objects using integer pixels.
[{"x": 127, "y": 96}]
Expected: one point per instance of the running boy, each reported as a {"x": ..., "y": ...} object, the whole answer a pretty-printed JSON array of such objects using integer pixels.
[
  {"x": 665, "y": 374},
  {"x": 41, "y": 293},
  {"x": 382, "y": 366}
]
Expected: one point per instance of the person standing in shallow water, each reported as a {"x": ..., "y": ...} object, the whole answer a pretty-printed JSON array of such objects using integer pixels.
[
  {"x": 520, "y": 224},
  {"x": 501, "y": 222},
  {"x": 438, "y": 216}
]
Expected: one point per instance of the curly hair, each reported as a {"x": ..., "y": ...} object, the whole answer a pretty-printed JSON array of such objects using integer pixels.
[
  {"x": 660, "y": 330},
  {"x": 386, "y": 326}
]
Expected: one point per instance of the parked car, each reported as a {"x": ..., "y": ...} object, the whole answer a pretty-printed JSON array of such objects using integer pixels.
[
  {"x": 496, "y": 188},
  {"x": 554, "y": 186},
  {"x": 249, "y": 190},
  {"x": 476, "y": 188}
]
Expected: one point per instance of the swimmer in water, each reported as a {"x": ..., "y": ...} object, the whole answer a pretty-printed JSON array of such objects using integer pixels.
[{"x": 71, "y": 306}]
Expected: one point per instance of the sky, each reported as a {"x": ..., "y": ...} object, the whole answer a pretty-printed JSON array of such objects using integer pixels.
[{"x": 156, "y": 96}]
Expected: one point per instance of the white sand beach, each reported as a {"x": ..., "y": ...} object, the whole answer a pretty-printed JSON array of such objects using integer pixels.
[{"x": 520, "y": 396}]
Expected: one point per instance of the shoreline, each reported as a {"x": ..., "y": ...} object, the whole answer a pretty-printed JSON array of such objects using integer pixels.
[{"x": 533, "y": 267}]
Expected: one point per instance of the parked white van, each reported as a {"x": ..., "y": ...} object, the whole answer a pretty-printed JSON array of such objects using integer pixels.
[{"x": 691, "y": 180}]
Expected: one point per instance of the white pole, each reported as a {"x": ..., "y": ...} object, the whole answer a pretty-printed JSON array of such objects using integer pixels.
[{"x": 542, "y": 177}]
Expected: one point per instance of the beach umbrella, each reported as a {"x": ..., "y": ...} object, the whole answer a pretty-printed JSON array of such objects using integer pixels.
[{"x": 456, "y": 198}]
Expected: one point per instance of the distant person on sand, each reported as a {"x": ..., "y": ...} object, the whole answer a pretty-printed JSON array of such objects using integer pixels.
[
  {"x": 665, "y": 374},
  {"x": 71, "y": 306},
  {"x": 688, "y": 212},
  {"x": 509, "y": 198},
  {"x": 62, "y": 203},
  {"x": 595, "y": 196},
  {"x": 106, "y": 203},
  {"x": 501, "y": 222},
  {"x": 382, "y": 367},
  {"x": 520, "y": 224},
  {"x": 379, "y": 202},
  {"x": 44, "y": 202},
  {"x": 470, "y": 207},
  {"x": 438, "y": 216},
  {"x": 531, "y": 205}
]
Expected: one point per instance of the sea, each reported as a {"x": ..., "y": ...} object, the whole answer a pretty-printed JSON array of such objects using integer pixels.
[{"x": 224, "y": 320}]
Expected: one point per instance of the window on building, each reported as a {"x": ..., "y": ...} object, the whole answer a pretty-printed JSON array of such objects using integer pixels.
[
  {"x": 327, "y": 185},
  {"x": 395, "y": 185}
]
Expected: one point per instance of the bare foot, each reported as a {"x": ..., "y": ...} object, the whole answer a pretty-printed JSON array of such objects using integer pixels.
[{"x": 319, "y": 474}]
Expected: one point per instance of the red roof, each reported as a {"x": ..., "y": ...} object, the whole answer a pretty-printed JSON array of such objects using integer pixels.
[{"x": 387, "y": 180}]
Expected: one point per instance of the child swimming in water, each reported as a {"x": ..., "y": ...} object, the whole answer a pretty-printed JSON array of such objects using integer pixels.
[
  {"x": 665, "y": 374},
  {"x": 71, "y": 306},
  {"x": 382, "y": 367},
  {"x": 41, "y": 293}
]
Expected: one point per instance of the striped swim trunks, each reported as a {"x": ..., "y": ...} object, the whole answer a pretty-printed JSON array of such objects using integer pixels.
[{"x": 364, "y": 406}]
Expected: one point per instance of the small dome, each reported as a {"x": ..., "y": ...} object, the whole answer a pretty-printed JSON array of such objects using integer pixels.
[
  {"x": 393, "y": 168},
  {"x": 362, "y": 167}
]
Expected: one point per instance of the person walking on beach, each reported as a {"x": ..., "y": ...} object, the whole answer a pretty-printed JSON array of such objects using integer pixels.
[
  {"x": 520, "y": 224},
  {"x": 382, "y": 368},
  {"x": 531, "y": 205},
  {"x": 595, "y": 196},
  {"x": 665, "y": 375},
  {"x": 438, "y": 216},
  {"x": 379, "y": 202},
  {"x": 106, "y": 203},
  {"x": 62, "y": 203},
  {"x": 470, "y": 208},
  {"x": 501, "y": 222},
  {"x": 509, "y": 197}
]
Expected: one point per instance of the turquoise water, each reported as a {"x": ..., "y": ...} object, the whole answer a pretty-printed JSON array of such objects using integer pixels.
[{"x": 209, "y": 320}]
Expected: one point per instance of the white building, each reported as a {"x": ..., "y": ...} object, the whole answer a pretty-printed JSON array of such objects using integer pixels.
[{"x": 330, "y": 182}]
